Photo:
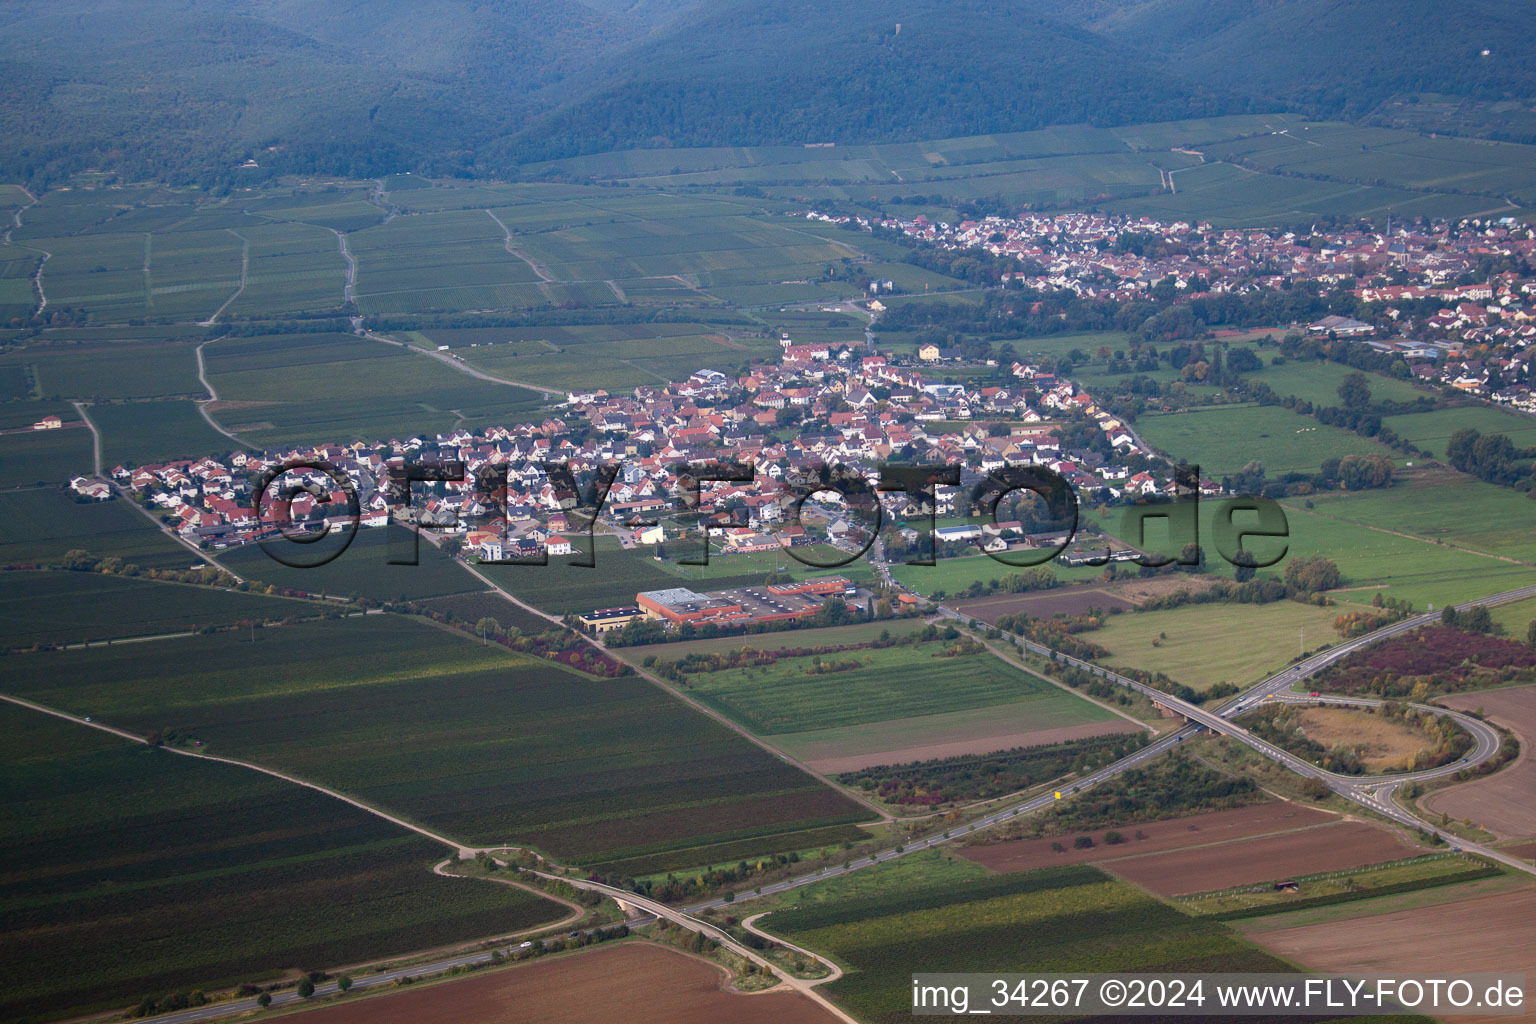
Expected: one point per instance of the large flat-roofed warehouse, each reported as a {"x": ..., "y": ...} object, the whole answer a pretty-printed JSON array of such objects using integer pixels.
[{"x": 741, "y": 606}]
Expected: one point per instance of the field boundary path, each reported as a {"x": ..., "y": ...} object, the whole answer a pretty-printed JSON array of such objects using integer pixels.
[
  {"x": 213, "y": 396},
  {"x": 448, "y": 360},
  {"x": 533, "y": 265},
  {"x": 245, "y": 269},
  {"x": 95, "y": 435},
  {"x": 274, "y": 773}
]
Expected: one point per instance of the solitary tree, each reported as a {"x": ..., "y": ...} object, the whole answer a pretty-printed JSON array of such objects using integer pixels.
[
  {"x": 344, "y": 982},
  {"x": 306, "y": 989},
  {"x": 264, "y": 1000},
  {"x": 1354, "y": 391}
]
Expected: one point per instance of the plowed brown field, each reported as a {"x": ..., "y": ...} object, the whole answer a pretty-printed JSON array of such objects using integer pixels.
[
  {"x": 1173, "y": 834},
  {"x": 1335, "y": 847},
  {"x": 1495, "y": 933},
  {"x": 1502, "y": 802},
  {"x": 636, "y": 983}
]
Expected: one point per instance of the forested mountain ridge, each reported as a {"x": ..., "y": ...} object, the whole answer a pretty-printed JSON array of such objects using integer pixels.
[{"x": 190, "y": 90}]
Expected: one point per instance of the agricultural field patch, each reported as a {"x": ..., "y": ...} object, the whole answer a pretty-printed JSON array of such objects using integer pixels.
[
  {"x": 238, "y": 876},
  {"x": 1317, "y": 381},
  {"x": 1336, "y": 846},
  {"x": 1433, "y": 429},
  {"x": 362, "y": 570},
  {"x": 1223, "y": 439},
  {"x": 654, "y": 985},
  {"x": 794, "y": 694},
  {"x": 472, "y": 607},
  {"x": 452, "y": 260},
  {"x": 1151, "y": 837},
  {"x": 979, "y": 770},
  {"x": 1192, "y": 644},
  {"x": 291, "y": 268},
  {"x": 485, "y": 745},
  {"x": 1062, "y": 601},
  {"x": 1438, "y": 505},
  {"x": 1496, "y": 932},
  {"x": 1396, "y": 561},
  {"x": 110, "y": 371},
  {"x": 924, "y": 912},
  {"x": 45, "y": 456},
  {"x": 1329, "y": 888},
  {"x": 72, "y": 607},
  {"x": 1500, "y": 803},
  {"x": 857, "y": 634},
  {"x": 1058, "y": 718},
  {"x": 613, "y": 582},
  {"x": 316, "y": 388},
  {"x": 42, "y": 525},
  {"x": 136, "y": 433},
  {"x": 1228, "y": 196}
]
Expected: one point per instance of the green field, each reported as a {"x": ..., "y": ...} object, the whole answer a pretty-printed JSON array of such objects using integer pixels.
[
  {"x": 890, "y": 683},
  {"x": 928, "y": 913},
  {"x": 316, "y": 388},
  {"x": 1444, "y": 507},
  {"x": 210, "y": 874},
  {"x": 1317, "y": 381},
  {"x": 71, "y": 607},
  {"x": 1432, "y": 430},
  {"x": 1223, "y": 439},
  {"x": 42, "y": 525},
  {"x": 488, "y": 746},
  {"x": 1198, "y": 650}
]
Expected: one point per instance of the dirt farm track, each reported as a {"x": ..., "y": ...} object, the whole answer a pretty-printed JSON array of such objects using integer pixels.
[{"x": 638, "y": 983}]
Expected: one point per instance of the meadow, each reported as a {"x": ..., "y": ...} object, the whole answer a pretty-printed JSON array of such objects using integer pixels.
[
  {"x": 211, "y": 874},
  {"x": 1376, "y": 547},
  {"x": 1432, "y": 430},
  {"x": 1193, "y": 644},
  {"x": 1443, "y": 508},
  {"x": 487, "y": 746},
  {"x": 1317, "y": 381},
  {"x": 72, "y": 607},
  {"x": 928, "y": 912},
  {"x": 1221, "y": 440}
]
